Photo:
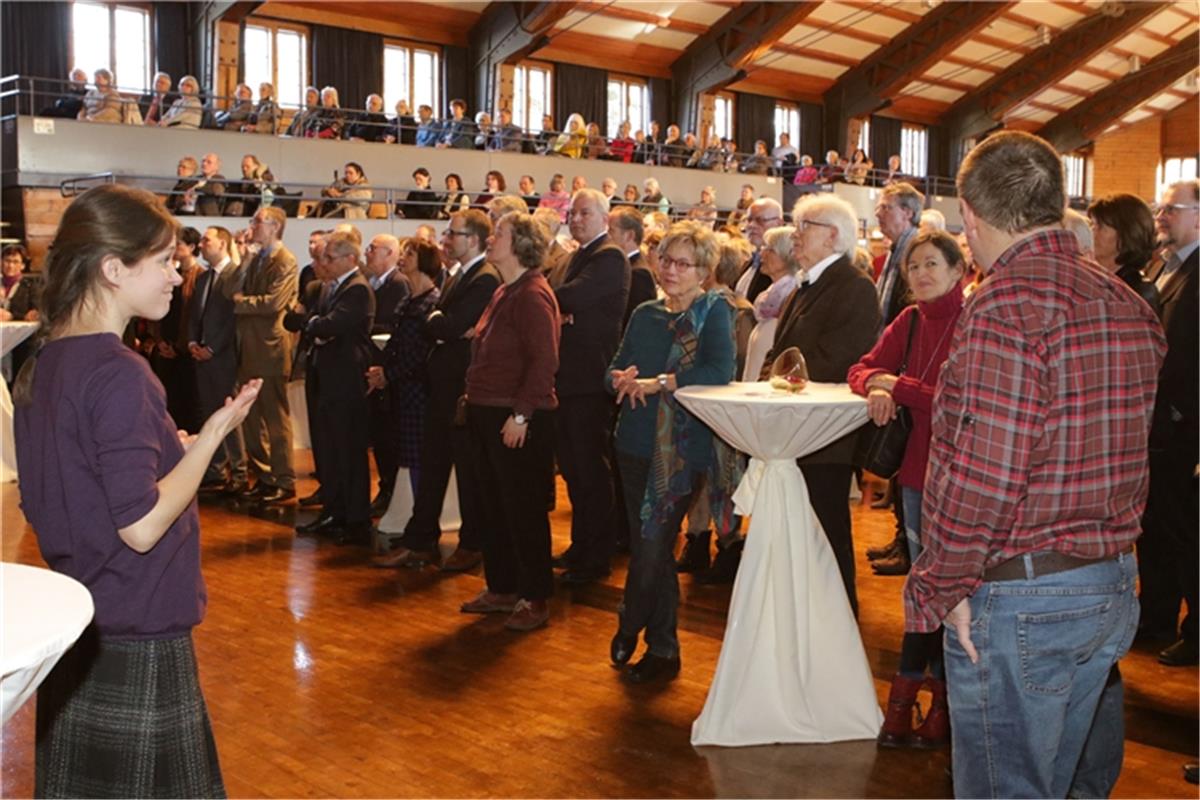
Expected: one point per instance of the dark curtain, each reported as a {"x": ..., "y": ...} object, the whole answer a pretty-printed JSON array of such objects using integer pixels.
[
  {"x": 173, "y": 39},
  {"x": 35, "y": 39},
  {"x": 350, "y": 61},
  {"x": 812, "y": 132},
  {"x": 885, "y": 140},
  {"x": 581, "y": 90},
  {"x": 660, "y": 104},
  {"x": 938, "y": 154},
  {"x": 755, "y": 120},
  {"x": 457, "y": 79}
]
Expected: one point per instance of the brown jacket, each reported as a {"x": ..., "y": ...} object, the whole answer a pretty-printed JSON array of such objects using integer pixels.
[{"x": 268, "y": 285}]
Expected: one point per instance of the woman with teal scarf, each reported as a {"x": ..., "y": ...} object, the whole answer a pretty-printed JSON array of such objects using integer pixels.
[{"x": 662, "y": 450}]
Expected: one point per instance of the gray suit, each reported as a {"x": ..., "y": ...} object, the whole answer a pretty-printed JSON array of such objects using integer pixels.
[{"x": 211, "y": 324}]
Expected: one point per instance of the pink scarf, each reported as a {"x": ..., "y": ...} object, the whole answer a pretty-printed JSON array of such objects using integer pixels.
[{"x": 769, "y": 303}]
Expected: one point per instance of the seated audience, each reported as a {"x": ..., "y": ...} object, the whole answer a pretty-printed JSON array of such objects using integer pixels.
[
  {"x": 609, "y": 187},
  {"x": 404, "y": 127},
  {"x": 631, "y": 196},
  {"x": 102, "y": 103},
  {"x": 784, "y": 154},
  {"x": 647, "y": 149},
  {"x": 893, "y": 174},
  {"x": 329, "y": 122},
  {"x": 528, "y": 190},
  {"x": 673, "y": 152},
  {"x": 257, "y": 185},
  {"x": 653, "y": 198},
  {"x": 571, "y": 141},
  {"x": 455, "y": 199},
  {"x": 237, "y": 118},
  {"x": 706, "y": 210},
  {"x": 458, "y": 132},
  {"x": 69, "y": 102},
  {"x": 662, "y": 450},
  {"x": 621, "y": 148},
  {"x": 859, "y": 168},
  {"x": 483, "y": 130},
  {"x": 707, "y": 154},
  {"x": 807, "y": 174},
  {"x": 577, "y": 183},
  {"x": 544, "y": 143},
  {"x": 210, "y": 188},
  {"x": 510, "y": 420},
  {"x": 506, "y": 137},
  {"x": 428, "y": 128},
  {"x": 494, "y": 180},
  {"x": 182, "y": 201},
  {"x": 306, "y": 118},
  {"x": 265, "y": 118},
  {"x": 187, "y": 111},
  {"x": 832, "y": 171},
  {"x": 597, "y": 145},
  {"x": 759, "y": 163},
  {"x": 350, "y": 195},
  {"x": 154, "y": 103},
  {"x": 370, "y": 124},
  {"x": 422, "y": 202},
  {"x": 557, "y": 198}
]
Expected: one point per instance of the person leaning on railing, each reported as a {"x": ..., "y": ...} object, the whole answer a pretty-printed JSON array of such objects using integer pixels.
[
  {"x": 103, "y": 102},
  {"x": 238, "y": 115},
  {"x": 305, "y": 118},
  {"x": 187, "y": 110}
]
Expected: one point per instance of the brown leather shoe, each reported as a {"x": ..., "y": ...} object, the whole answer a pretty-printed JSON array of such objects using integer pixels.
[
  {"x": 403, "y": 557},
  {"x": 490, "y": 603},
  {"x": 462, "y": 560},
  {"x": 527, "y": 615}
]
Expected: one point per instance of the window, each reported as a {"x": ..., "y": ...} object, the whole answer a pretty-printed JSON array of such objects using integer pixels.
[
  {"x": 787, "y": 120},
  {"x": 1074, "y": 166},
  {"x": 864, "y": 138},
  {"x": 723, "y": 116},
  {"x": 1172, "y": 170},
  {"x": 914, "y": 150},
  {"x": 628, "y": 100},
  {"x": 531, "y": 96},
  {"x": 410, "y": 73},
  {"x": 114, "y": 37},
  {"x": 277, "y": 54}
]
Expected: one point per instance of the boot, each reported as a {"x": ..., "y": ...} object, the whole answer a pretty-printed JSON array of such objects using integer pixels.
[
  {"x": 897, "y": 726},
  {"x": 725, "y": 565},
  {"x": 888, "y": 550},
  {"x": 695, "y": 556},
  {"x": 897, "y": 565},
  {"x": 935, "y": 730}
]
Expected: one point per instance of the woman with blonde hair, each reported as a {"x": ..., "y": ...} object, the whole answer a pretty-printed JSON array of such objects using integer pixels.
[
  {"x": 571, "y": 141},
  {"x": 187, "y": 111}
]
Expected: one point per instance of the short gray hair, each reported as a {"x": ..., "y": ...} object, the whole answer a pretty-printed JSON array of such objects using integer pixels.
[
  {"x": 831, "y": 210},
  {"x": 597, "y": 196},
  {"x": 779, "y": 241},
  {"x": 909, "y": 199}
]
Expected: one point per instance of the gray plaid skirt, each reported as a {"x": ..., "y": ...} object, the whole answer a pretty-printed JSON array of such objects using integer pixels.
[{"x": 125, "y": 719}]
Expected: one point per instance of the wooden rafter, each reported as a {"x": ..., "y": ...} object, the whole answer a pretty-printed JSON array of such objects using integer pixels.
[{"x": 614, "y": 11}]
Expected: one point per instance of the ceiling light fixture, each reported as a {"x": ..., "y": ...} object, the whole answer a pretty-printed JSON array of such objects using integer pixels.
[
  {"x": 1135, "y": 62},
  {"x": 1043, "y": 32}
]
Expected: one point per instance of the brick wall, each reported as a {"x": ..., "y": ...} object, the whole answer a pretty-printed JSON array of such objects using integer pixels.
[{"x": 1126, "y": 160}]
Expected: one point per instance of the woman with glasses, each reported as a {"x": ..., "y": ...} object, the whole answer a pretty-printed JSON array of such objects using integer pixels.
[{"x": 663, "y": 452}]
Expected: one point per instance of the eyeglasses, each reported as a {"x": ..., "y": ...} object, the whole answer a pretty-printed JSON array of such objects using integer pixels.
[
  {"x": 666, "y": 262},
  {"x": 761, "y": 220},
  {"x": 1173, "y": 208},
  {"x": 880, "y": 209},
  {"x": 452, "y": 232},
  {"x": 805, "y": 224}
]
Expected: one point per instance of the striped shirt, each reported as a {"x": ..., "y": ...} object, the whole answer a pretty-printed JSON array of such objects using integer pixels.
[{"x": 1040, "y": 423}]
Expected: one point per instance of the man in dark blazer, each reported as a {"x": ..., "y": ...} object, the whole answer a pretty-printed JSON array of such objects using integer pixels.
[
  {"x": 154, "y": 103},
  {"x": 591, "y": 300},
  {"x": 340, "y": 327},
  {"x": 1168, "y": 550},
  {"x": 625, "y": 230},
  {"x": 212, "y": 342},
  {"x": 832, "y": 317},
  {"x": 464, "y": 297},
  {"x": 898, "y": 213},
  {"x": 210, "y": 189},
  {"x": 762, "y": 215},
  {"x": 391, "y": 288}
]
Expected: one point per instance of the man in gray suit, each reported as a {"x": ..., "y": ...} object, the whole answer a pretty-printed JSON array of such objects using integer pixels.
[
  {"x": 212, "y": 342},
  {"x": 269, "y": 284}
]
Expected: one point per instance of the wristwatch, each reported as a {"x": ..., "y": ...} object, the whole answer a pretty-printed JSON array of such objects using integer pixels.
[
  {"x": 520, "y": 419},
  {"x": 662, "y": 382}
]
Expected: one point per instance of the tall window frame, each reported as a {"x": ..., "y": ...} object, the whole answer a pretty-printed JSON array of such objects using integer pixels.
[
  {"x": 410, "y": 72},
  {"x": 126, "y": 29},
  {"x": 284, "y": 61},
  {"x": 914, "y": 150},
  {"x": 787, "y": 120},
  {"x": 1075, "y": 173},
  {"x": 533, "y": 95},
  {"x": 1174, "y": 169},
  {"x": 628, "y": 100},
  {"x": 724, "y": 109}
]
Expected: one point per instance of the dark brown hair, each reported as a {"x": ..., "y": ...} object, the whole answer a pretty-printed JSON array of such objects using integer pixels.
[
  {"x": 944, "y": 242},
  {"x": 1014, "y": 182},
  {"x": 429, "y": 260},
  {"x": 1133, "y": 221},
  {"x": 20, "y": 250}
]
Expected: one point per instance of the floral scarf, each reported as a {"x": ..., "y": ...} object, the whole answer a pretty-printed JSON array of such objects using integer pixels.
[{"x": 769, "y": 304}]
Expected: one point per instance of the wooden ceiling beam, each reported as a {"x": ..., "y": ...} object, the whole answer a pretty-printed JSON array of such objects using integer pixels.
[
  {"x": 818, "y": 55},
  {"x": 616, "y": 55},
  {"x": 1080, "y": 124},
  {"x": 507, "y": 32},
  {"x": 983, "y": 109},
  {"x": 882, "y": 10},
  {"x": 633, "y": 15}
]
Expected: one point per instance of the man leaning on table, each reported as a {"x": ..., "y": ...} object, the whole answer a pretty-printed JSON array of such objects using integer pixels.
[{"x": 1036, "y": 483}]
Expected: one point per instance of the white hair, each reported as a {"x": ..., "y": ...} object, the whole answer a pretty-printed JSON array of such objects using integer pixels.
[
  {"x": 598, "y": 197},
  {"x": 779, "y": 241},
  {"x": 934, "y": 220},
  {"x": 831, "y": 210}
]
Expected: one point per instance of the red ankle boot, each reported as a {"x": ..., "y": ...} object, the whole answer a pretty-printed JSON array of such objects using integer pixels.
[
  {"x": 935, "y": 730},
  {"x": 897, "y": 726}
]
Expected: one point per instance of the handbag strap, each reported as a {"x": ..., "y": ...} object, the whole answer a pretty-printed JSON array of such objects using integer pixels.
[{"x": 912, "y": 329}]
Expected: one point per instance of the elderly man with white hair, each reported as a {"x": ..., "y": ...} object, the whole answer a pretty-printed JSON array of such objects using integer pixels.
[
  {"x": 764, "y": 213},
  {"x": 832, "y": 317}
]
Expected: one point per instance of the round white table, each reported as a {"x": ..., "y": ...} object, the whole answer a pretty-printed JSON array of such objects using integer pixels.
[
  {"x": 11, "y": 335},
  {"x": 44, "y": 613},
  {"x": 792, "y": 666}
]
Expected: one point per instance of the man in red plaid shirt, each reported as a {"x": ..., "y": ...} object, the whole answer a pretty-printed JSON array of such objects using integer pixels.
[{"x": 1037, "y": 481}]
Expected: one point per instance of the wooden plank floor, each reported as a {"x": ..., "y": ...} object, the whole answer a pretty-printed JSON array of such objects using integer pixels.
[{"x": 326, "y": 678}]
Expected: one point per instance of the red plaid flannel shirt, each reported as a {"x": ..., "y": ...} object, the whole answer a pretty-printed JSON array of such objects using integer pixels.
[{"x": 1040, "y": 423}]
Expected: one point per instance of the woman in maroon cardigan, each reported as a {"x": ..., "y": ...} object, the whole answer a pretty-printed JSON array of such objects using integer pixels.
[
  {"x": 934, "y": 269},
  {"x": 510, "y": 406}
]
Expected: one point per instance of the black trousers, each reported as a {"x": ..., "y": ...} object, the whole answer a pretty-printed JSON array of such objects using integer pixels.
[
  {"x": 829, "y": 493},
  {"x": 384, "y": 439},
  {"x": 215, "y": 382},
  {"x": 444, "y": 445},
  {"x": 1169, "y": 548},
  {"x": 341, "y": 436},
  {"x": 583, "y": 429},
  {"x": 511, "y": 482}
]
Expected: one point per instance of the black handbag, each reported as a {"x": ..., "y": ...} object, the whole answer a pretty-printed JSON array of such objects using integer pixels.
[{"x": 880, "y": 448}]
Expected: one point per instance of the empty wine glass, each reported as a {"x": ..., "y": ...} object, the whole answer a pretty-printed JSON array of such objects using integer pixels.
[{"x": 789, "y": 372}]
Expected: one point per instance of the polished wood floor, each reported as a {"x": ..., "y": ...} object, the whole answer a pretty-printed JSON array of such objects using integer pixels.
[{"x": 326, "y": 678}]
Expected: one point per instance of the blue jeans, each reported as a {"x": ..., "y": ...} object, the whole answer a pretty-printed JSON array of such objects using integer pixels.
[
  {"x": 911, "y": 500},
  {"x": 1020, "y": 717}
]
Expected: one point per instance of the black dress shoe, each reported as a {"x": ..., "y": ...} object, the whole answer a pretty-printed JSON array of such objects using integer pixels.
[
  {"x": 355, "y": 533},
  {"x": 621, "y": 649},
  {"x": 578, "y": 577},
  {"x": 562, "y": 560},
  {"x": 323, "y": 524},
  {"x": 237, "y": 488},
  {"x": 653, "y": 668},
  {"x": 310, "y": 500},
  {"x": 259, "y": 489},
  {"x": 379, "y": 505},
  {"x": 277, "y": 495},
  {"x": 1184, "y": 653},
  {"x": 1191, "y": 773},
  {"x": 212, "y": 485}
]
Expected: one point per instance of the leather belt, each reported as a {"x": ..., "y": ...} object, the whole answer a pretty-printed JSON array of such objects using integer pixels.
[{"x": 1046, "y": 562}]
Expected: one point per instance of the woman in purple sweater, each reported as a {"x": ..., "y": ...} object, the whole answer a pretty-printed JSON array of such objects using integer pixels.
[
  {"x": 934, "y": 269},
  {"x": 108, "y": 483},
  {"x": 510, "y": 419}
]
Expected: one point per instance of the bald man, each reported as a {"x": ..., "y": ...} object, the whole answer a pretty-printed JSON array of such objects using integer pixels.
[{"x": 210, "y": 190}]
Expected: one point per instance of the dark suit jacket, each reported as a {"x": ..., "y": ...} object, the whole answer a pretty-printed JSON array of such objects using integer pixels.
[
  {"x": 210, "y": 198},
  {"x": 641, "y": 286},
  {"x": 899, "y": 298},
  {"x": 26, "y": 297},
  {"x": 463, "y": 300},
  {"x": 1177, "y": 405},
  {"x": 833, "y": 322},
  {"x": 594, "y": 292},
  {"x": 341, "y": 335},
  {"x": 215, "y": 327},
  {"x": 387, "y": 298}
]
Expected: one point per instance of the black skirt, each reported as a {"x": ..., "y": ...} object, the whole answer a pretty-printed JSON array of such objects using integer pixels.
[{"x": 125, "y": 719}]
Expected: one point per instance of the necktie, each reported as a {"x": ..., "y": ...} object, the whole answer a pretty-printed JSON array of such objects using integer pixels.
[{"x": 326, "y": 298}]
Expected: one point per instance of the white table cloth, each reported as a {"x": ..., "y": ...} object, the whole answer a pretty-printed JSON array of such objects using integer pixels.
[
  {"x": 792, "y": 665},
  {"x": 44, "y": 613},
  {"x": 11, "y": 335}
]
